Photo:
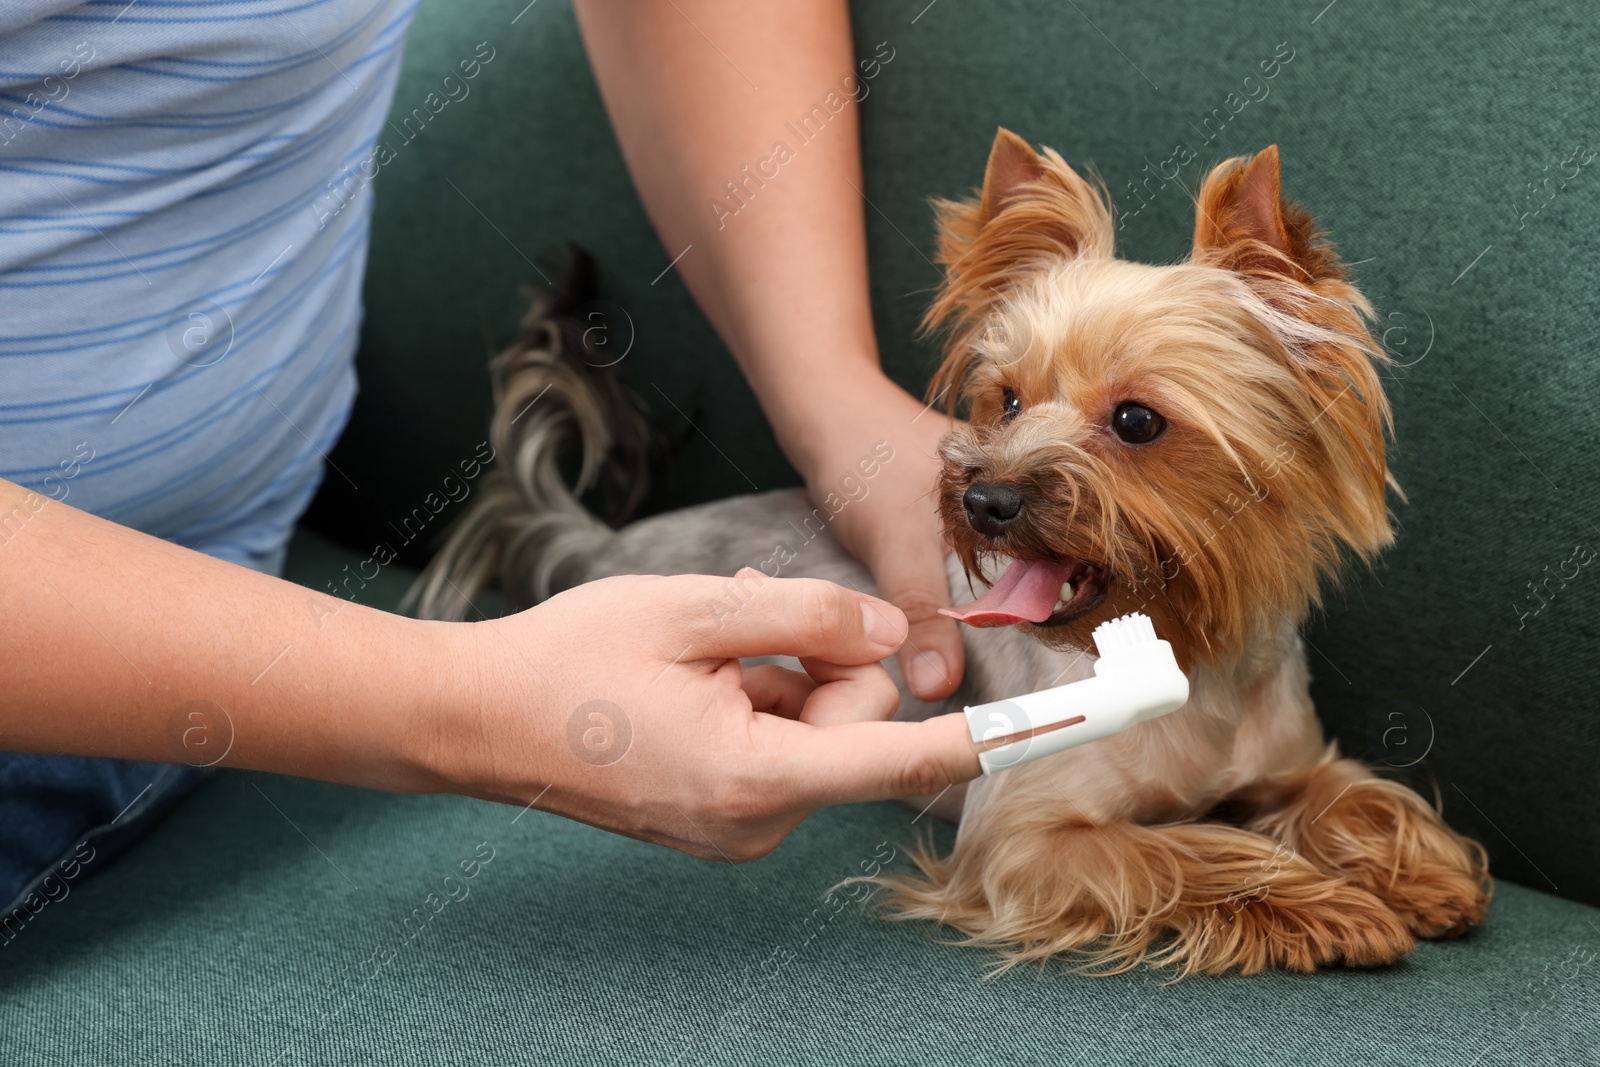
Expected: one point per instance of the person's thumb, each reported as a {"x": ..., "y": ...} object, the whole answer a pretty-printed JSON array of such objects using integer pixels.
[
  {"x": 913, "y": 580},
  {"x": 801, "y": 617}
]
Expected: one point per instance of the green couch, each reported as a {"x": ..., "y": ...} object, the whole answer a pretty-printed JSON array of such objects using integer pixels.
[{"x": 272, "y": 920}]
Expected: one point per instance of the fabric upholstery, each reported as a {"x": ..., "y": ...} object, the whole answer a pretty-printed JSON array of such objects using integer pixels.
[{"x": 275, "y": 920}]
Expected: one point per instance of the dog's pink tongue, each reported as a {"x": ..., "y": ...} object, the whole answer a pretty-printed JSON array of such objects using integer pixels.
[{"x": 1026, "y": 592}]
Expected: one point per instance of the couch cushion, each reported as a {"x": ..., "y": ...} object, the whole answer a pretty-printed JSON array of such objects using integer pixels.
[
  {"x": 275, "y": 920},
  {"x": 257, "y": 926}
]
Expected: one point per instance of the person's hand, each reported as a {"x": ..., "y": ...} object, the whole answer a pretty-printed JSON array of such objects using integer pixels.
[
  {"x": 622, "y": 703},
  {"x": 894, "y": 529},
  {"x": 783, "y": 278}
]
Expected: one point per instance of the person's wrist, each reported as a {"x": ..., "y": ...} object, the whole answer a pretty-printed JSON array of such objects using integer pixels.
[
  {"x": 437, "y": 741},
  {"x": 839, "y": 421}
]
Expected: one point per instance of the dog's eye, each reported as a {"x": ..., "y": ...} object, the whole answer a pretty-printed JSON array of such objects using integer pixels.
[
  {"x": 1137, "y": 424},
  {"x": 1010, "y": 406}
]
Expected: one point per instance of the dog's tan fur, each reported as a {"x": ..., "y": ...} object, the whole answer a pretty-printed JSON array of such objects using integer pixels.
[
  {"x": 1271, "y": 470},
  {"x": 1228, "y": 835}
]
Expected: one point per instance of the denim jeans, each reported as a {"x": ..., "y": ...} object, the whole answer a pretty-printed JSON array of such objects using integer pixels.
[{"x": 65, "y": 817}]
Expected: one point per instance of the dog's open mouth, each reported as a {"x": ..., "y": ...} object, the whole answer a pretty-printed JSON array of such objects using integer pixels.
[{"x": 1045, "y": 592}]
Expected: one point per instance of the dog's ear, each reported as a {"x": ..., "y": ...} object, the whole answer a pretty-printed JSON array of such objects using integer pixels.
[
  {"x": 1243, "y": 223},
  {"x": 1032, "y": 203},
  {"x": 1012, "y": 164},
  {"x": 1033, "y": 209}
]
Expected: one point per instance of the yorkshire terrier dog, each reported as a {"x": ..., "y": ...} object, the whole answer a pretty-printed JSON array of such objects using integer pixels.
[{"x": 1202, "y": 442}]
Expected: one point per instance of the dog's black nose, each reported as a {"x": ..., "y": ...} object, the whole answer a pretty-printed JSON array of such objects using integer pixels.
[{"x": 991, "y": 507}]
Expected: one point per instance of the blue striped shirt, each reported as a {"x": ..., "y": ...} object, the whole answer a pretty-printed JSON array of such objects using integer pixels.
[{"x": 181, "y": 253}]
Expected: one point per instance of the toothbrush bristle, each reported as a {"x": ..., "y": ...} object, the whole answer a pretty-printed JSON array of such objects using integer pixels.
[{"x": 1125, "y": 632}]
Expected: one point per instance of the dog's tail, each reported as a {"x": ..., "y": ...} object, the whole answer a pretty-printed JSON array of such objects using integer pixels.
[{"x": 564, "y": 425}]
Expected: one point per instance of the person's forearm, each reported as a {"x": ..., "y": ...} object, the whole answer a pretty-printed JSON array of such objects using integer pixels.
[
  {"x": 779, "y": 265},
  {"x": 119, "y": 644}
]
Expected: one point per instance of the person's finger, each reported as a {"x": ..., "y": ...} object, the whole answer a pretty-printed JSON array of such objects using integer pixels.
[
  {"x": 861, "y": 693},
  {"x": 777, "y": 690},
  {"x": 913, "y": 578},
  {"x": 798, "y": 617},
  {"x": 864, "y": 761}
]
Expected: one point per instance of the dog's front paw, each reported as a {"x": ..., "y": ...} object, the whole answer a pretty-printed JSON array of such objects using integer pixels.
[
  {"x": 1433, "y": 878},
  {"x": 1390, "y": 842},
  {"x": 1439, "y": 902},
  {"x": 1309, "y": 924}
]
